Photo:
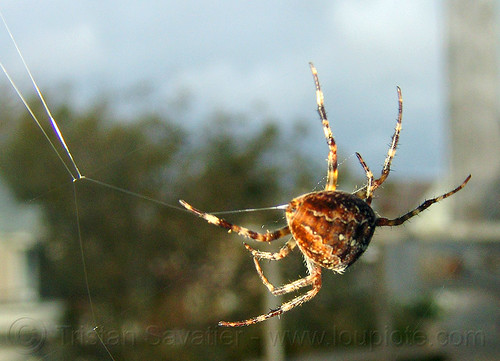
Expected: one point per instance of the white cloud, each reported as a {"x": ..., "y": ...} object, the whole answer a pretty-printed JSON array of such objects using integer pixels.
[{"x": 233, "y": 55}]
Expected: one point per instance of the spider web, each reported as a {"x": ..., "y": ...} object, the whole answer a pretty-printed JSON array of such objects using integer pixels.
[
  {"x": 59, "y": 146},
  {"x": 67, "y": 161}
]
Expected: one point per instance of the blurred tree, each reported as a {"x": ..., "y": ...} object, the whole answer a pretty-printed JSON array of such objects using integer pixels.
[
  {"x": 152, "y": 269},
  {"x": 147, "y": 264}
]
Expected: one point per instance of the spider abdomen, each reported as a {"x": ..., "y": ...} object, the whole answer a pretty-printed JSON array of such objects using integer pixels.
[{"x": 332, "y": 228}]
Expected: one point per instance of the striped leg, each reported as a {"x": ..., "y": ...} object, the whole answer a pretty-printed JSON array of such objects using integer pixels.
[
  {"x": 283, "y": 252},
  {"x": 369, "y": 176},
  {"x": 331, "y": 180},
  {"x": 242, "y": 231},
  {"x": 394, "y": 143},
  {"x": 313, "y": 279},
  {"x": 288, "y": 288},
  {"x": 423, "y": 206}
]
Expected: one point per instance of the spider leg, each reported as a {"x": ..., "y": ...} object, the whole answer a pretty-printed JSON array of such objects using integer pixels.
[
  {"x": 288, "y": 288},
  {"x": 242, "y": 231},
  {"x": 420, "y": 208},
  {"x": 394, "y": 143},
  {"x": 283, "y": 252},
  {"x": 331, "y": 180},
  {"x": 369, "y": 175},
  {"x": 313, "y": 279}
]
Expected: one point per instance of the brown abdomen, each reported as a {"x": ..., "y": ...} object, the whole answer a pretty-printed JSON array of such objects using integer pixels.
[{"x": 332, "y": 228}]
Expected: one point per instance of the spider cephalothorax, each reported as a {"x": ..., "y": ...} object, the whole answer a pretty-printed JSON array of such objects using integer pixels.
[{"x": 331, "y": 228}]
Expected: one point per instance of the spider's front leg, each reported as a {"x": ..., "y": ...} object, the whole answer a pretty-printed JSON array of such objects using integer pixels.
[
  {"x": 242, "y": 231},
  {"x": 331, "y": 179},
  {"x": 394, "y": 144},
  {"x": 369, "y": 177},
  {"x": 373, "y": 184}
]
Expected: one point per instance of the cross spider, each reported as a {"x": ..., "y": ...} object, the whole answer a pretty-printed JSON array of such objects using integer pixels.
[{"x": 331, "y": 228}]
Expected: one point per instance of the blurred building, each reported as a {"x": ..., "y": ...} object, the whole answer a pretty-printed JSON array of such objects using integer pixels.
[
  {"x": 449, "y": 257},
  {"x": 25, "y": 320},
  {"x": 473, "y": 103},
  {"x": 452, "y": 253}
]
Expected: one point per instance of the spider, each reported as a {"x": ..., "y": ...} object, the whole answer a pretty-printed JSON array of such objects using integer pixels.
[{"x": 331, "y": 228}]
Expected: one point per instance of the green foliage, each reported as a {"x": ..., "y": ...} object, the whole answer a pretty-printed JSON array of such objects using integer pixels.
[
  {"x": 413, "y": 317},
  {"x": 149, "y": 266},
  {"x": 159, "y": 277}
]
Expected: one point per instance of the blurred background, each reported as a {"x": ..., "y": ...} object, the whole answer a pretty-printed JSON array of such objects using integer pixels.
[{"x": 214, "y": 103}]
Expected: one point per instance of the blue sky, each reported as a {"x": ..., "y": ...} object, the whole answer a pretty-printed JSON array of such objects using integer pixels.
[{"x": 252, "y": 56}]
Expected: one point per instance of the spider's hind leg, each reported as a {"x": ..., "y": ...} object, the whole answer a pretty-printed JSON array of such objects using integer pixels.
[
  {"x": 313, "y": 279},
  {"x": 283, "y": 252},
  {"x": 275, "y": 256},
  {"x": 242, "y": 231},
  {"x": 420, "y": 208}
]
